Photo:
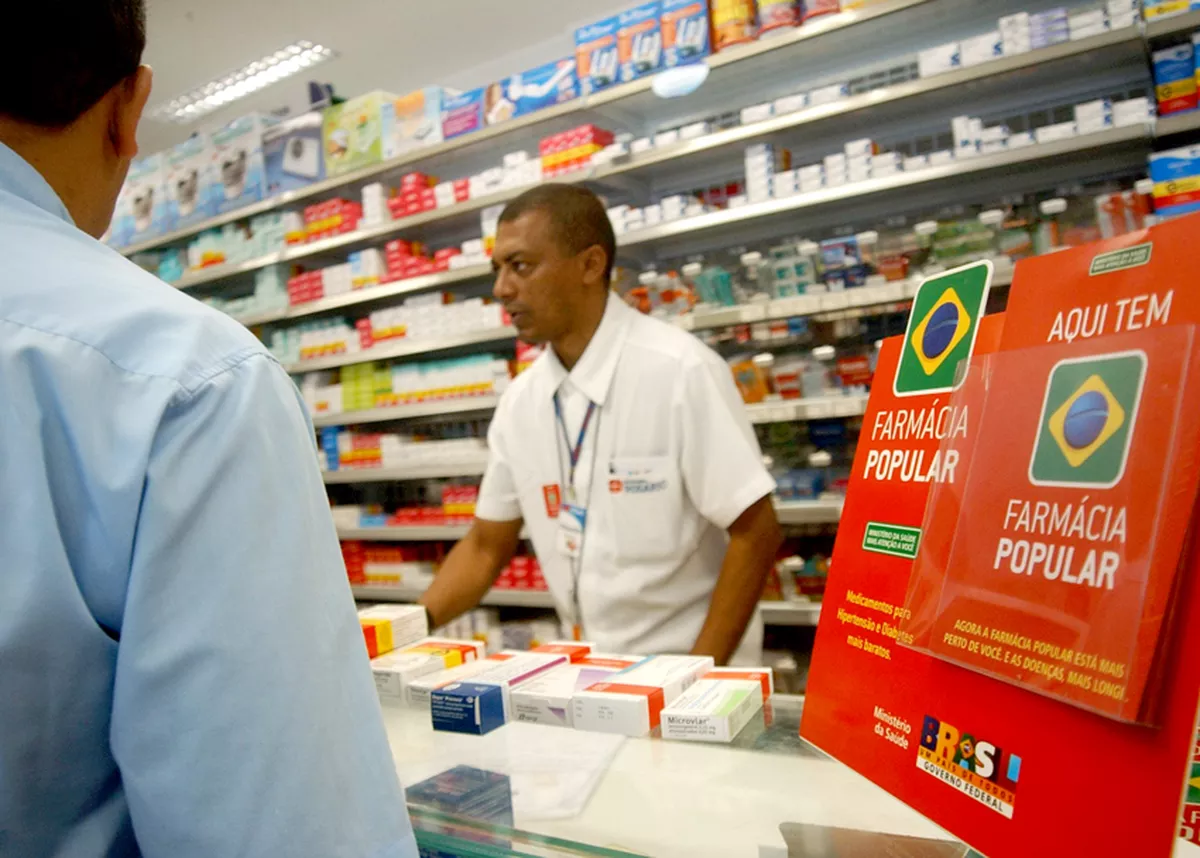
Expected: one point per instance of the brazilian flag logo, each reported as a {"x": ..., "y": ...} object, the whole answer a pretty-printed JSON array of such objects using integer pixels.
[
  {"x": 1087, "y": 420},
  {"x": 941, "y": 329}
]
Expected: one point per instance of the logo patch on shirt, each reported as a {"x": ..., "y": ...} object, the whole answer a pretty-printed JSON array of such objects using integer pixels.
[
  {"x": 614, "y": 486},
  {"x": 636, "y": 486},
  {"x": 553, "y": 497}
]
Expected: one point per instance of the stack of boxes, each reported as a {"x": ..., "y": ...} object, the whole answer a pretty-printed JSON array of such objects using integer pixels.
[
  {"x": 415, "y": 195},
  {"x": 546, "y": 699},
  {"x": 382, "y": 565},
  {"x": 394, "y": 671},
  {"x": 522, "y": 573},
  {"x": 484, "y": 702},
  {"x": 330, "y": 218},
  {"x": 631, "y": 702},
  {"x": 571, "y": 150},
  {"x": 763, "y": 161},
  {"x": 1176, "y": 177},
  {"x": 1175, "y": 78},
  {"x": 386, "y": 627}
]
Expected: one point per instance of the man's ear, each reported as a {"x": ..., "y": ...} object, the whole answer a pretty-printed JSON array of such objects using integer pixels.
[
  {"x": 131, "y": 98},
  {"x": 594, "y": 261}
]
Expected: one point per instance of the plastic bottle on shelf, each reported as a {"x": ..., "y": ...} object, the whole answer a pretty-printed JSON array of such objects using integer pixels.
[{"x": 1049, "y": 231}]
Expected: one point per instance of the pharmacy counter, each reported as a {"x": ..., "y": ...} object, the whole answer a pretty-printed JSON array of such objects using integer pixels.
[{"x": 576, "y": 793}]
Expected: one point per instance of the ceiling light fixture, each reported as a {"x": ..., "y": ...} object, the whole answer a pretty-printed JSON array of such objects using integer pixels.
[{"x": 259, "y": 74}]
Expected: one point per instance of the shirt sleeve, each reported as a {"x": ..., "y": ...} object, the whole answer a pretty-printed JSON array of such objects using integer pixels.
[
  {"x": 720, "y": 460},
  {"x": 245, "y": 720},
  {"x": 498, "y": 499}
]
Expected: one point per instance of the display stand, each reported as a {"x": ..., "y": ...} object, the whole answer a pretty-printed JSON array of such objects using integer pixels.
[{"x": 1007, "y": 769}]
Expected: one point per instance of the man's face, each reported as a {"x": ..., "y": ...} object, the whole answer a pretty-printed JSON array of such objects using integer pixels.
[{"x": 538, "y": 282}]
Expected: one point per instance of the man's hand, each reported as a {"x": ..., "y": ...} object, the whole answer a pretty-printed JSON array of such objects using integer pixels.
[
  {"x": 470, "y": 569},
  {"x": 754, "y": 537}
]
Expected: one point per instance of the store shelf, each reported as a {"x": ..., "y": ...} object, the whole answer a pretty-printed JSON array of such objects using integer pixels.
[
  {"x": 493, "y": 598},
  {"x": 1169, "y": 25},
  {"x": 961, "y": 169},
  {"x": 790, "y": 613},
  {"x": 815, "y": 408},
  {"x": 708, "y": 143},
  {"x": 406, "y": 412},
  {"x": 1178, "y": 123},
  {"x": 773, "y": 613},
  {"x": 408, "y": 347},
  {"x": 741, "y": 53},
  {"x": 821, "y": 511},
  {"x": 470, "y": 468},
  {"x": 407, "y": 533}
]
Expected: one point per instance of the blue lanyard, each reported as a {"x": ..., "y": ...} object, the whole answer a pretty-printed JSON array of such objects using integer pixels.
[{"x": 573, "y": 452}]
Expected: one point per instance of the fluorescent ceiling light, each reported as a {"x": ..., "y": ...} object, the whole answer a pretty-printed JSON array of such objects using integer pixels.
[{"x": 259, "y": 74}]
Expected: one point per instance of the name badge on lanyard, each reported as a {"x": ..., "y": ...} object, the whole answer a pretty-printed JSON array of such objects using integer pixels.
[{"x": 572, "y": 515}]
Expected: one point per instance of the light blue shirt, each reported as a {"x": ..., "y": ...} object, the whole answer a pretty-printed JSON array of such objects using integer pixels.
[{"x": 181, "y": 669}]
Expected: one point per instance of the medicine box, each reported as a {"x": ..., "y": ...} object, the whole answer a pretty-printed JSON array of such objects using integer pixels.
[
  {"x": 981, "y": 49},
  {"x": 413, "y": 121},
  {"x": 764, "y": 676},
  {"x": 596, "y": 55},
  {"x": 475, "y": 706},
  {"x": 141, "y": 210},
  {"x": 684, "y": 31},
  {"x": 1175, "y": 79},
  {"x": 829, "y": 94},
  {"x": 630, "y": 702},
  {"x": 712, "y": 710},
  {"x": 238, "y": 152},
  {"x": 388, "y": 627},
  {"x": 778, "y": 15},
  {"x": 353, "y": 133},
  {"x": 537, "y": 88},
  {"x": 940, "y": 59},
  {"x": 418, "y": 691},
  {"x": 394, "y": 671},
  {"x": 1176, "y": 177},
  {"x": 1152, "y": 9},
  {"x": 462, "y": 113},
  {"x": 190, "y": 182},
  {"x": 293, "y": 154},
  {"x": 546, "y": 699},
  {"x": 639, "y": 41}
]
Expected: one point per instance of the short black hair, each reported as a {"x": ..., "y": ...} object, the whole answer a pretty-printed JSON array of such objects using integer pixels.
[
  {"x": 577, "y": 217},
  {"x": 62, "y": 56}
]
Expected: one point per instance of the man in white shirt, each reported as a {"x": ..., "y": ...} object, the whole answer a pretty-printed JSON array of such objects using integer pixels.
[{"x": 626, "y": 452}]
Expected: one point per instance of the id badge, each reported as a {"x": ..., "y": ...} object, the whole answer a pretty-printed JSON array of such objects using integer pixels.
[{"x": 572, "y": 518}]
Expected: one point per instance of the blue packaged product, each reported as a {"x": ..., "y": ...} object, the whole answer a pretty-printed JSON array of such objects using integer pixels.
[
  {"x": 329, "y": 446},
  {"x": 240, "y": 174},
  {"x": 141, "y": 210},
  {"x": 596, "y": 55},
  {"x": 684, "y": 32},
  {"x": 467, "y": 707},
  {"x": 293, "y": 154},
  {"x": 190, "y": 182},
  {"x": 639, "y": 41},
  {"x": 463, "y": 113},
  {"x": 1176, "y": 177},
  {"x": 544, "y": 86}
]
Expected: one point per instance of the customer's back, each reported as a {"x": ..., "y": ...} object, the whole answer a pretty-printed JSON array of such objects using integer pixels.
[{"x": 181, "y": 671}]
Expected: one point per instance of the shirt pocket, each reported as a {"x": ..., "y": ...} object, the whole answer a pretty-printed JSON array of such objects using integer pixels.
[{"x": 645, "y": 496}]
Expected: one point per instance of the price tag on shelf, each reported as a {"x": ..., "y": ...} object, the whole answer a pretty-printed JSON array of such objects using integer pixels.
[{"x": 819, "y": 409}]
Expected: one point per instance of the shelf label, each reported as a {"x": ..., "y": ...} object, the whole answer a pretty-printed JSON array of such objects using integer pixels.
[{"x": 894, "y": 539}]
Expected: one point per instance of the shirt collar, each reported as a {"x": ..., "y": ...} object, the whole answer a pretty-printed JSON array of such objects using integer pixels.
[
  {"x": 593, "y": 372},
  {"x": 18, "y": 177}
]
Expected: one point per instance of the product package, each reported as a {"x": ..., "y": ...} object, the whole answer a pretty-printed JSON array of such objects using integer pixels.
[
  {"x": 1175, "y": 79},
  {"x": 596, "y": 55},
  {"x": 631, "y": 702},
  {"x": 387, "y": 627},
  {"x": 1176, "y": 177},
  {"x": 413, "y": 121},
  {"x": 764, "y": 676},
  {"x": 353, "y": 133},
  {"x": 777, "y": 15},
  {"x": 544, "y": 86},
  {"x": 141, "y": 210},
  {"x": 293, "y": 154},
  {"x": 733, "y": 23},
  {"x": 712, "y": 710},
  {"x": 418, "y": 691},
  {"x": 395, "y": 670},
  {"x": 463, "y": 113},
  {"x": 190, "y": 182},
  {"x": 484, "y": 703},
  {"x": 546, "y": 699},
  {"x": 814, "y": 8},
  {"x": 468, "y": 792},
  {"x": 238, "y": 153},
  {"x": 685, "y": 29},
  {"x": 639, "y": 41}
]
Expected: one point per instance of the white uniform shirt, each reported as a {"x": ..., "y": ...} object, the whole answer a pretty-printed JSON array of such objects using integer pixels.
[{"x": 669, "y": 461}]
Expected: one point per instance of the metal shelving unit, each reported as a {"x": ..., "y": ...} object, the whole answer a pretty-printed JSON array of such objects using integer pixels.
[
  {"x": 437, "y": 408},
  {"x": 816, "y": 408},
  {"x": 773, "y": 613},
  {"x": 1169, "y": 25},
  {"x": 411, "y": 533},
  {"x": 1178, "y": 123},
  {"x": 820, "y": 511},
  {"x": 408, "y": 347},
  {"x": 345, "y": 476}
]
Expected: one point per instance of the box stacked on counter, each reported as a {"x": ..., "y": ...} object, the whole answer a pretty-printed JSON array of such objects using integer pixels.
[
  {"x": 386, "y": 627},
  {"x": 718, "y": 705},
  {"x": 484, "y": 702},
  {"x": 631, "y": 702},
  {"x": 395, "y": 670},
  {"x": 547, "y": 699}
]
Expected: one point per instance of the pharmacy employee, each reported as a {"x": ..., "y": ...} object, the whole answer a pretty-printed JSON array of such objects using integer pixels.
[{"x": 624, "y": 449}]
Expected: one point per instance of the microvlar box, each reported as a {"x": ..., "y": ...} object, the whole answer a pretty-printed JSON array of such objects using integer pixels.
[
  {"x": 630, "y": 702},
  {"x": 461, "y": 706},
  {"x": 546, "y": 699},
  {"x": 712, "y": 710}
]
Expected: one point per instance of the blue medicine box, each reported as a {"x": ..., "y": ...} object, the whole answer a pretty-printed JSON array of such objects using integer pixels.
[{"x": 467, "y": 707}]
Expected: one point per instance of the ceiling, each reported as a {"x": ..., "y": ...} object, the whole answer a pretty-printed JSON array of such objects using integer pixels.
[{"x": 395, "y": 45}]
